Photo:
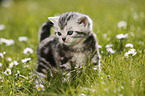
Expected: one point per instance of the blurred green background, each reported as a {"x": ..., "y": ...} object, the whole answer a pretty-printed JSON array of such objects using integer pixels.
[{"x": 24, "y": 17}]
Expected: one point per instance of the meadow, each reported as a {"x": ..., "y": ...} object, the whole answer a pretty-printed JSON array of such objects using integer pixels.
[{"x": 120, "y": 29}]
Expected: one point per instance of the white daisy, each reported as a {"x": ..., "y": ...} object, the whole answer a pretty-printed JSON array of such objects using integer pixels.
[
  {"x": 109, "y": 45},
  {"x": 40, "y": 87},
  {"x": 26, "y": 66},
  {"x": 25, "y": 60},
  {"x": 1, "y": 64},
  {"x": 105, "y": 35},
  {"x": 82, "y": 94},
  {"x": 130, "y": 52},
  {"x": 141, "y": 42},
  {"x": 16, "y": 63},
  {"x": 8, "y": 42},
  {"x": 23, "y": 38},
  {"x": 1, "y": 55},
  {"x": 99, "y": 46},
  {"x": 129, "y": 45},
  {"x": 111, "y": 50},
  {"x": 28, "y": 50},
  {"x": 9, "y": 59},
  {"x": 17, "y": 74},
  {"x": 2, "y": 27},
  {"x": 13, "y": 63},
  {"x": 122, "y": 24},
  {"x": 122, "y": 87},
  {"x": 121, "y": 36},
  {"x": 8, "y": 72}
]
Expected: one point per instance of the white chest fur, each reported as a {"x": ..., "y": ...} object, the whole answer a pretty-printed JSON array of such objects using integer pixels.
[{"x": 79, "y": 58}]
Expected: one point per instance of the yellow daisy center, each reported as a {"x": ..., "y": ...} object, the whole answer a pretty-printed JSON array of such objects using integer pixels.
[{"x": 39, "y": 88}]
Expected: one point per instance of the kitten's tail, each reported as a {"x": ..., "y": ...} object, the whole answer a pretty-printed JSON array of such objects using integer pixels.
[{"x": 45, "y": 30}]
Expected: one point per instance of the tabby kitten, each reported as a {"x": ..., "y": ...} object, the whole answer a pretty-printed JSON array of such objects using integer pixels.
[{"x": 73, "y": 44}]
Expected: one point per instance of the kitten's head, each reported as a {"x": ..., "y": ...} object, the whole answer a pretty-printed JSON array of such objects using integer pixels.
[{"x": 71, "y": 27}]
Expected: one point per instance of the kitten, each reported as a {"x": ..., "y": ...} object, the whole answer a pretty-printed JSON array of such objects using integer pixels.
[{"x": 73, "y": 44}]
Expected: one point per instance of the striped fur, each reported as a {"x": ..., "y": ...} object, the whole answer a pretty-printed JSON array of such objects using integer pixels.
[
  {"x": 64, "y": 18},
  {"x": 58, "y": 54}
]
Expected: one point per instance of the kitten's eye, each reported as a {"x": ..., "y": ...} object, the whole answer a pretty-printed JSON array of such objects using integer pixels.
[
  {"x": 59, "y": 34},
  {"x": 69, "y": 32}
]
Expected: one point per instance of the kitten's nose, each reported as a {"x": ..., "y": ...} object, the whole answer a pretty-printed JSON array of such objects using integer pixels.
[{"x": 63, "y": 39}]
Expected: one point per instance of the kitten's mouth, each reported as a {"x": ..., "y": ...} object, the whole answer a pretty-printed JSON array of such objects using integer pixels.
[{"x": 65, "y": 42}]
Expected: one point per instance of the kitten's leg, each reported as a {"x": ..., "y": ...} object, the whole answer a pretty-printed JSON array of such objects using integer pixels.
[
  {"x": 96, "y": 61},
  {"x": 43, "y": 70},
  {"x": 66, "y": 68}
]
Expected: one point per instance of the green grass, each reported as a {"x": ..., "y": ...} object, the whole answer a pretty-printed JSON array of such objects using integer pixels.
[{"x": 120, "y": 76}]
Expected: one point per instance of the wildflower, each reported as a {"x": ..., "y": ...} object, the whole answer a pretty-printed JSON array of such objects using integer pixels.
[
  {"x": 141, "y": 42},
  {"x": 25, "y": 60},
  {"x": 109, "y": 76},
  {"x": 132, "y": 34},
  {"x": 81, "y": 65},
  {"x": 95, "y": 67},
  {"x": 105, "y": 35},
  {"x": 82, "y": 94},
  {"x": 88, "y": 89},
  {"x": 99, "y": 46},
  {"x": 129, "y": 45},
  {"x": 110, "y": 50},
  {"x": 40, "y": 87},
  {"x": 17, "y": 74},
  {"x": 122, "y": 87},
  {"x": 8, "y": 72},
  {"x": 121, "y": 36},
  {"x": 103, "y": 83},
  {"x": 26, "y": 66},
  {"x": 118, "y": 89},
  {"x": 8, "y": 42},
  {"x": 122, "y": 24},
  {"x": 130, "y": 52},
  {"x": 114, "y": 90},
  {"x": 9, "y": 59},
  {"x": 108, "y": 39},
  {"x": 23, "y": 38},
  {"x": 135, "y": 16},
  {"x": 1, "y": 64},
  {"x": 28, "y": 50},
  {"x": 2, "y": 27},
  {"x": 30, "y": 73},
  {"x": 109, "y": 45},
  {"x": 13, "y": 63},
  {"x": 1, "y": 55},
  {"x": 4, "y": 52},
  {"x": 120, "y": 95}
]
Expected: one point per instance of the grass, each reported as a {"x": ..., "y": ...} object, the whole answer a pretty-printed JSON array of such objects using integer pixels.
[{"x": 120, "y": 76}]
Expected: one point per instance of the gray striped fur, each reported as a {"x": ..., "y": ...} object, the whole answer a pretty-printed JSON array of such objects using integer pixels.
[{"x": 57, "y": 55}]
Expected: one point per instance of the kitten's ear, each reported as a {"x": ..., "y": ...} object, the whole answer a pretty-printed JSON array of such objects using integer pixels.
[
  {"x": 53, "y": 19},
  {"x": 83, "y": 20}
]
